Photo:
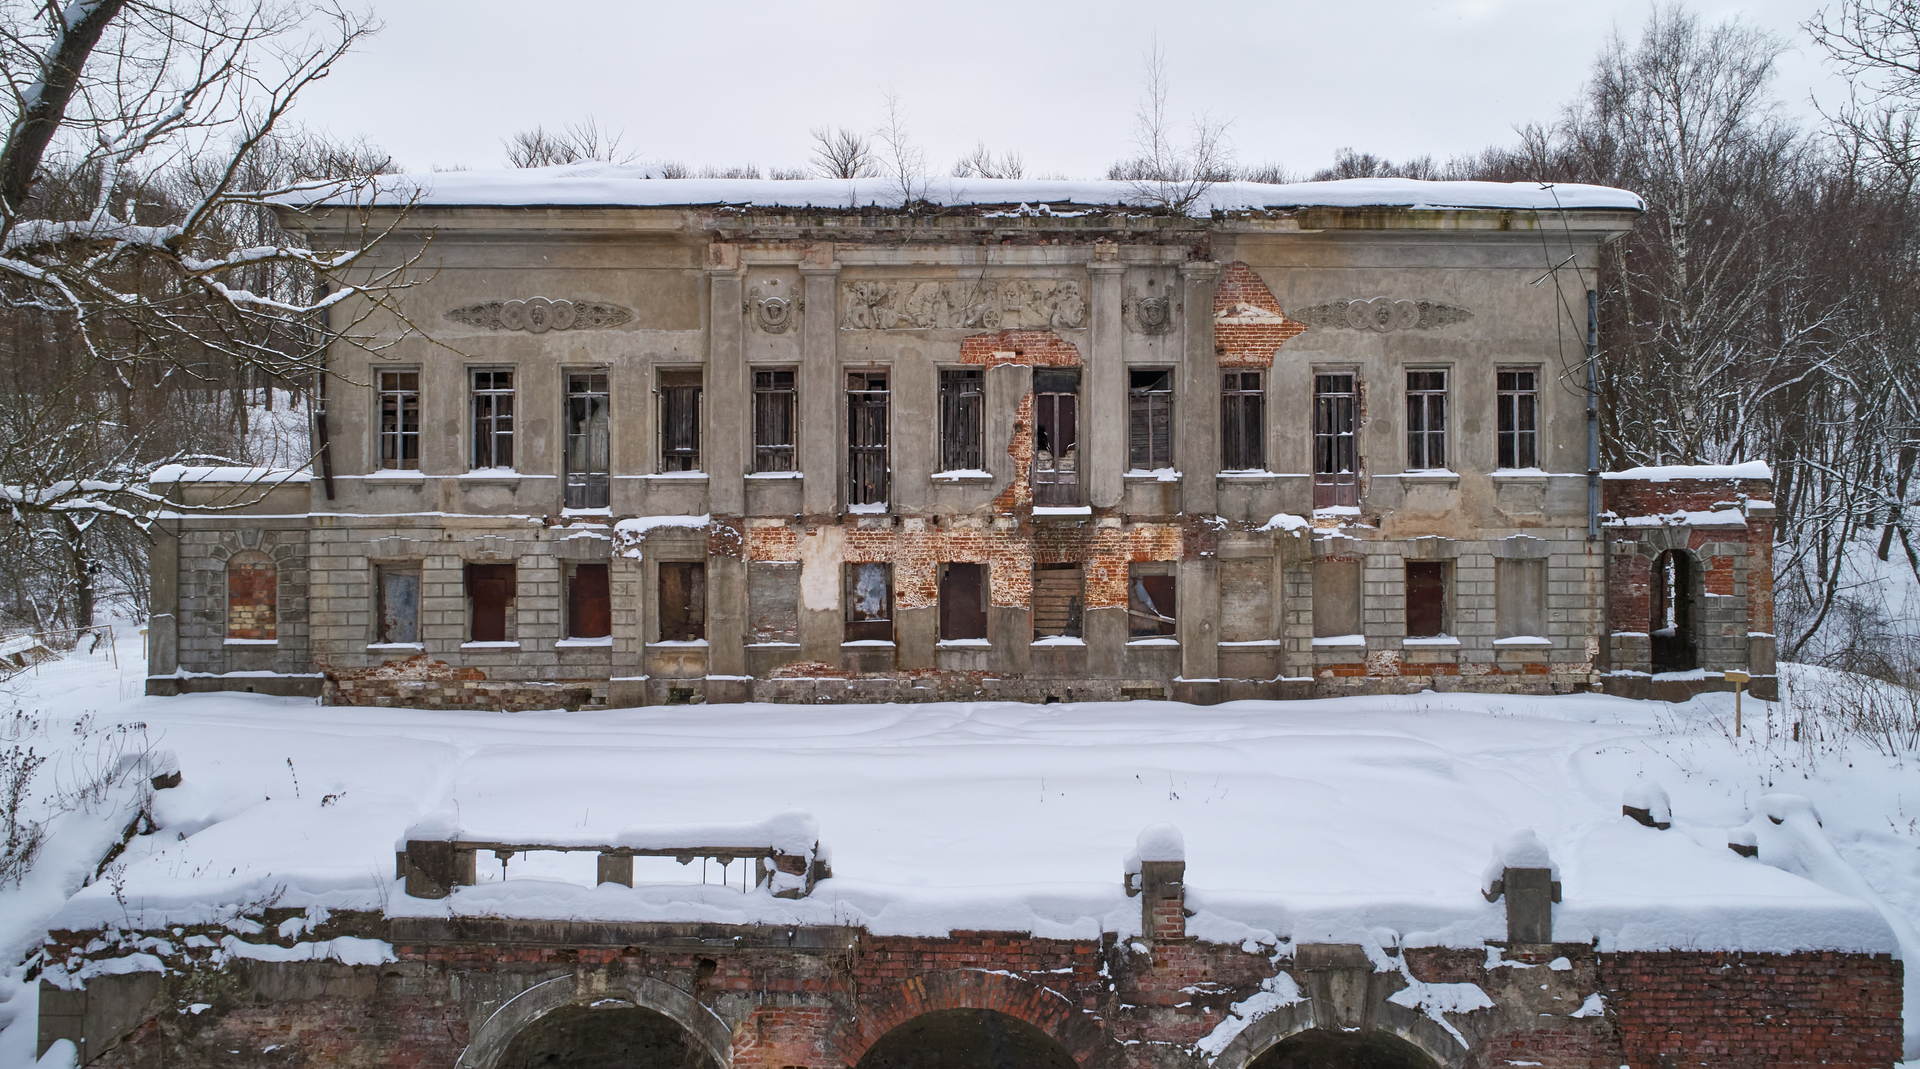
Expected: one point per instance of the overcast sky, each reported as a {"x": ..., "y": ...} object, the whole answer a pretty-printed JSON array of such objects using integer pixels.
[{"x": 737, "y": 82}]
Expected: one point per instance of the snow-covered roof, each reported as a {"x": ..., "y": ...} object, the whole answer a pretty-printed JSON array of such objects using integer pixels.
[
  {"x": 1752, "y": 469},
  {"x": 606, "y": 184}
]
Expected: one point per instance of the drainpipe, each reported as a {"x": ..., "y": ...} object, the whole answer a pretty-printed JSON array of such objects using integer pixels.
[
  {"x": 320, "y": 398},
  {"x": 1593, "y": 415}
]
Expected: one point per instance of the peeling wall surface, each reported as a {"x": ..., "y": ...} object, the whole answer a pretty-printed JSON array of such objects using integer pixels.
[{"x": 1065, "y": 324}]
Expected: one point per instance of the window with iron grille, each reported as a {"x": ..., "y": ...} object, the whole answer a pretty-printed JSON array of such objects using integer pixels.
[
  {"x": 399, "y": 419},
  {"x": 588, "y": 445},
  {"x": 1336, "y": 478},
  {"x": 867, "y": 400},
  {"x": 1519, "y": 404},
  {"x": 1243, "y": 422},
  {"x": 775, "y": 403},
  {"x": 962, "y": 418},
  {"x": 679, "y": 421},
  {"x": 1426, "y": 420},
  {"x": 1150, "y": 419},
  {"x": 493, "y": 419}
]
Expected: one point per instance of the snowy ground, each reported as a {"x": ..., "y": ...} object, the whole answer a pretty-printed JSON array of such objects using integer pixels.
[{"x": 1350, "y": 819}]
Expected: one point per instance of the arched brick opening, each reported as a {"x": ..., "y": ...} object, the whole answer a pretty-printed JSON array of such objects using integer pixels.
[
  {"x": 641, "y": 1020},
  {"x": 253, "y": 595},
  {"x": 966, "y": 1039},
  {"x": 1330, "y": 1048},
  {"x": 1075, "y": 1034}
]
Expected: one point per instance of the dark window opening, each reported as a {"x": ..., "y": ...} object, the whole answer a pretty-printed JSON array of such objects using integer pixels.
[
  {"x": 962, "y": 419},
  {"x": 869, "y": 601},
  {"x": 1426, "y": 420},
  {"x": 776, "y": 404},
  {"x": 1055, "y": 474},
  {"x": 489, "y": 601},
  {"x": 1426, "y": 599},
  {"x": 867, "y": 403},
  {"x": 1336, "y": 466},
  {"x": 1519, "y": 400},
  {"x": 963, "y": 601},
  {"x": 1150, "y": 601},
  {"x": 683, "y": 601},
  {"x": 1243, "y": 422},
  {"x": 588, "y": 451},
  {"x": 589, "y": 602},
  {"x": 1059, "y": 597},
  {"x": 679, "y": 421},
  {"x": 493, "y": 419},
  {"x": 1149, "y": 420},
  {"x": 1672, "y": 625},
  {"x": 398, "y": 611},
  {"x": 400, "y": 420}
]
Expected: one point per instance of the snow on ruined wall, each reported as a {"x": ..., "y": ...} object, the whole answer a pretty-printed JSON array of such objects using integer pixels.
[{"x": 1248, "y": 326}]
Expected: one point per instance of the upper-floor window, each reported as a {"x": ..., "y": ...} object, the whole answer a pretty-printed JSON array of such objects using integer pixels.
[
  {"x": 867, "y": 403},
  {"x": 962, "y": 419},
  {"x": 1426, "y": 420},
  {"x": 493, "y": 419},
  {"x": 679, "y": 421},
  {"x": 775, "y": 408},
  {"x": 1519, "y": 403},
  {"x": 399, "y": 393},
  {"x": 588, "y": 445},
  {"x": 1243, "y": 422},
  {"x": 1336, "y": 466},
  {"x": 1055, "y": 473},
  {"x": 1150, "y": 419}
]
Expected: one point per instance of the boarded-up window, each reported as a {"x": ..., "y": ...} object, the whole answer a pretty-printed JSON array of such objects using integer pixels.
[
  {"x": 679, "y": 421},
  {"x": 775, "y": 405},
  {"x": 1150, "y": 419},
  {"x": 1059, "y": 598},
  {"x": 867, "y": 403},
  {"x": 252, "y": 590},
  {"x": 400, "y": 419},
  {"x": 869, "y": 601},
  {"x": 1056, "y": 438},
  {"x": 588, "y": 442},
  {"x": 1150, "y": 601},
  {"x": 962, "y": 419},
  {"x": 1246, "y": 599},
  {"x": 963, "y": 601},
  {"x": 1426, "y": 420},
  {"x": 1336, "y": 465},
  {"x": 683, "y": 601},
  {"x": 1520, "y": 595},
  {"x": 398, "y": 611},
  {"x": 1336, "y": 597},
  {"x": 489, "y": 601},
  {"x": 1243, "y": 422},
  {"x": 1426, "y": 598},
  {"x": 589, "y": 602},
  {"x": 773, "y": 601}
]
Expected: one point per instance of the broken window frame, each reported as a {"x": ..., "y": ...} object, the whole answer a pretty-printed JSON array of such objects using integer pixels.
[
  {"x": 1434, "y": 579},
  {"x": 862, "y": 624},
  {"x": 776, "y": 417},
  {"x": 1517, "y": 401},
  {"x": 959, "y": 620},
  {"x": 963, "y": 412},
  {"x": 1426, "y": 419},
  {"x": 589, "y": 448},
  {"x": 869, "y": 407},
  {"x": 688, "y": 602},
  {"x": 1243, "y": 420},
  {"x": 485, "y": 622},
  {"x": 398, "y": 408},
  {"x": 1074, "y": 623},
  {"x": 1054, "y": 474},
  {"x": 1336, "y": 425},
  {"x": 1149, "y": 419},
  {"x": 679, "y": 392},
  {"x": 1152, "y": 601},
  {"x": 492, "y": 390},
  {"x": 390, "y": 580},
  {"x": 589, "y": 601}
]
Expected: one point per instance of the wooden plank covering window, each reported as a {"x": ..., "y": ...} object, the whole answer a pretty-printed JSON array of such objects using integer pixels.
[
  {"x": 1059, "y": 598},
  {"x": 1150, "y": 600},
  {"x": 683, "y": 601},
  {"x": 869, "y": 601},
  {"x": 589, "y": 603},
  {"x": 775, "y": 404},
  {"x": 1426, "y": 598},
  {"x": 679, "y": 421},
  {"x": 1150, "y": 419},
  {"x": 963, "y": 601},
  {"x": 867, "y": 403},
  {"x": 398, "y": 613},
  {"x": 489, "y": 600},
  {"x": 962, "y": 416}
]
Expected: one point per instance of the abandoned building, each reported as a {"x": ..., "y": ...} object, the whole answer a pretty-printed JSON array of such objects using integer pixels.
[{"x": 638, "y": 441}]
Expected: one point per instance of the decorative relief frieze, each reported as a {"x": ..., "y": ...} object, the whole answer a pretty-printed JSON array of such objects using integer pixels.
[
  {"x": 538, "y": 315},
  {"x": 1147, "y": 314},
  {"x": 773, "y": 311},
  {"x": 1015, "y": 304},
  {"x": 1382, "y": 314}
]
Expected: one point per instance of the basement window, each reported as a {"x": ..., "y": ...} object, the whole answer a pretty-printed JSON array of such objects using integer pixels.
[
  {"x": 1059, "y": 600},
  {"x": 869, "y": 601},
  {"x": 1150, "y": 600},
  {"x": 679, "y": 421},
  {"x": 490, "y": 590},
  {"x": 683, "y": 601},
  {"x": 963, "y": 601},
  {"x": 589, "y": 602}
]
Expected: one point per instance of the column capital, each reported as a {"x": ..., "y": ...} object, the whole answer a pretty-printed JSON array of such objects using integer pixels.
[{"x": 1201, "y": 270}]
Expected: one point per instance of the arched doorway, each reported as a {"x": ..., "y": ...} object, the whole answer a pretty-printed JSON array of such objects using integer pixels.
[
  {"x": 1328, "y": 1049},
  {"x": 620, "y": 1036},
  {"x": 1672, "y": 601},
  {"x": 966, "y": 1039}
]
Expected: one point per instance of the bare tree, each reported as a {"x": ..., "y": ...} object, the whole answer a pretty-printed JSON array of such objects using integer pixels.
[
  {"x": 573, "y": 143},
  {"x": 1166, "y": 169},
  {"x": 842, "y": 153},
  {"x": 982, "y": 163},
  {"x": 905, "y": 162}
]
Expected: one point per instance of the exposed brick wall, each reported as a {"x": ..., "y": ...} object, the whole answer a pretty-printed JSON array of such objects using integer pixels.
[
  {"x": 253, "y": 582},
  {"x": 1248, "y": 326},
  {"x": 1021, "y": 348}
]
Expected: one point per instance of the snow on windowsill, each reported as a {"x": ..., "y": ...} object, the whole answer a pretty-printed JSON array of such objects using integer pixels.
[
  {"x": 1248, "y": 473},
  {"x": 1253, "y": 642},
  {"x": 1524, "y": 641},
  {"x": 1431, "y": 473},
  {"x": 776, "y": 475},
  {"x": 1165, "y": 475},
  {"x": 584, "y": 643},
  {"x": 490, "y": 645},
  {"x": 676, "y": 642},
  {"x": 253, "y": 642},
  {"x": 961, "y": 475},
  {"x": 874, "y": 508},
  {"x": 668, "y": 475},
  {"x": 1157, "y": 640},
  {"x": 1060, "y": 640},
  {"x": 1431, "y": 640},
  {"x": 392, "y": 475},
  {"x": 1520, "y": 473},
  {"x": 773, "y": 645},
  {"x": 962, "y": 643},
  {"x": 608, "y": 512},
  {"x": 1063, "y": 510},
  {"x": 1336, "y": 510},
  {"x": 868, "y": 642},
  {"x": 1341, "y": 640},
  {"x": 396, "y": 645}
]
